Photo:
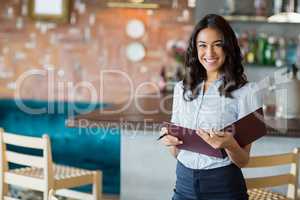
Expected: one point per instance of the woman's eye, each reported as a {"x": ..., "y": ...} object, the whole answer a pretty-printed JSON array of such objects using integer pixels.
[
  {"x": 202, "y": 45},
  {"x": 219, "y": 45}
]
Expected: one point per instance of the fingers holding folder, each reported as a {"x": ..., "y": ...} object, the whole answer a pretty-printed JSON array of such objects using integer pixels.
[
  {"x": 243, "y": 132},
  {"x": 216, "y": 139},
  {"x": 168, "y": 140}
]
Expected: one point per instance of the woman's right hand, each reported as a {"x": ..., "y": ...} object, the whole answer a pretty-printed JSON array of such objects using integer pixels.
[{"x": 169, "y": 140}]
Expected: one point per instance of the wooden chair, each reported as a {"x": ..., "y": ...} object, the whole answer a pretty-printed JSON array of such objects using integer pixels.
[
  {"x": 40, "y": 173},
  {"x": 51, "y": 195},
  {"x": 104, "y": 197},
  {"x": 255, "y": 185}
]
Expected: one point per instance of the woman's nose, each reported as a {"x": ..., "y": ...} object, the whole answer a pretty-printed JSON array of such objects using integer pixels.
[{"x": 210, "y": 51}]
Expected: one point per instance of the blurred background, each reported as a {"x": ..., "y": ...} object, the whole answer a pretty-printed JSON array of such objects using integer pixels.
[{"x": 73, "y": 56}]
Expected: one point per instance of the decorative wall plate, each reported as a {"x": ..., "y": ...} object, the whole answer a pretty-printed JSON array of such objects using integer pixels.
[
  {"x": 135, "y": 51},
  {"x": 135, "y": 28}
]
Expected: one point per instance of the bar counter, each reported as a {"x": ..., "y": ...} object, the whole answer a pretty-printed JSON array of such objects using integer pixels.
[{"x": 148, "y": 112}]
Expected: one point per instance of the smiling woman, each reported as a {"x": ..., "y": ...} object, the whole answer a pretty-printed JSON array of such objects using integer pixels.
[{"x": 213, "y": 94}]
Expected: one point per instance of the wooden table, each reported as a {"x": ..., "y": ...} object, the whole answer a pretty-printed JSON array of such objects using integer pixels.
[{"x": 148, "y": 112}]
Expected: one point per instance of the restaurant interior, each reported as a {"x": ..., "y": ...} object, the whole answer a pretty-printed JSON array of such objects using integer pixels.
[{"x": 85, "y": 86}]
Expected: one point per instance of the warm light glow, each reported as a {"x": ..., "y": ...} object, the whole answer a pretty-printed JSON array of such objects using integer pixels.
[
  {"x": 290, "y": 17},
  {"x": 132, "y": 5},
  {"x": 136, "y": 1},
  {"x": 192, "y": 3}
]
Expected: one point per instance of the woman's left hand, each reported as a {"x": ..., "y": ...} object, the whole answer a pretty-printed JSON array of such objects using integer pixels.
[{"x": 217, "y": 139}]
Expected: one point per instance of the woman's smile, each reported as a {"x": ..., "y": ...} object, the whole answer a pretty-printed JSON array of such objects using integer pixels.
[{"x": 210, "y": 49}]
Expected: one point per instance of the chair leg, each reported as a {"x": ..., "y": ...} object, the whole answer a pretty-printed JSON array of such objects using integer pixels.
[
  {"x": 97, "y": 185},
  {"x": 51, "y": 195},
  {"x": 3, "y": 190},
  {"x": 46, "y": 195}
]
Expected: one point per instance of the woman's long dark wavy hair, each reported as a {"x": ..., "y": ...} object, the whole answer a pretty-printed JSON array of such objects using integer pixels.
[{"x": 232, "y": 69}]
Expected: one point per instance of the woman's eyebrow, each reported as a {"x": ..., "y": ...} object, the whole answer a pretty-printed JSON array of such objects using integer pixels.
[{"x": 212, "y": 42}]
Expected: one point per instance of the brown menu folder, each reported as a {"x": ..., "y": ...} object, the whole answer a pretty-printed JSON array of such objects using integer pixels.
[{"x": 245, "y": 131}]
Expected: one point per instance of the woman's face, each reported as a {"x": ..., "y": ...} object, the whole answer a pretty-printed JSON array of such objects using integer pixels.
[{"x": 210, "y": 50}]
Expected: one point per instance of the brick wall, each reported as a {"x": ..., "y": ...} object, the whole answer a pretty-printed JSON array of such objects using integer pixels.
[{"x": 75, "y": 63}]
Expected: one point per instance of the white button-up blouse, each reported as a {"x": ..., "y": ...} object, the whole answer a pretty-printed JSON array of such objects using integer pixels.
[{"x": 210, "y": 110}]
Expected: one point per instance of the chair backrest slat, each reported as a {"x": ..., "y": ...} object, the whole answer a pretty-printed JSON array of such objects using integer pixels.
[
  {"x": 23, "y": 141},
  {"x": 23, "y": 181},
  {"x": 272, "y": 160},
  {"x": 270, "y": 181},
  {"x": 27, "y": 159},
  {"x": 9, "y": 198},
  {"x": 23, "y": 159},
  {"x": 290, "y": 179}
]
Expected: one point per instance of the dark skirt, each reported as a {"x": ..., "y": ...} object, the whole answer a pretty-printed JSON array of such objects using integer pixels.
[{"x": 223, "y": 183}]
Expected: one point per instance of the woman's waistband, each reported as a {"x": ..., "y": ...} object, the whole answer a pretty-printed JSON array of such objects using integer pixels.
[{"x": 229, "y": 167}]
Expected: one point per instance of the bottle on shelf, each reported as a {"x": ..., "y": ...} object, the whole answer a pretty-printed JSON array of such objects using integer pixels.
[
  {"x": 280, "y": 54},
  {"x": 243, "y": 42},
  {"x": 289, "y": 5},
  {"x": 270, "y": 50},
  {"x": 291, "y": 52},
  {"x": 277, "y": 6},
  {"x": 260, "y": 7},
  {"x": 261, "y": 48},
  {"x": 229, "y": 7},
  {"x": 251, "y": 54}
]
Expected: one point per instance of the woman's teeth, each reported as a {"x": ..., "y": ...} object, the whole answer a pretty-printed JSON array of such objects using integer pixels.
[{"x": 211, "y": 60}]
